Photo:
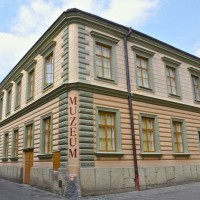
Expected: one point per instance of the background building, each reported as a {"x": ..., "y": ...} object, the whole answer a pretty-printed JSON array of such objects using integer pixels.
[{"x": 65, "y": 110}]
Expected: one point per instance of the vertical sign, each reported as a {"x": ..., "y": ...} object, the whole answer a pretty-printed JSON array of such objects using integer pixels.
[{"x": 73, "y": 138}]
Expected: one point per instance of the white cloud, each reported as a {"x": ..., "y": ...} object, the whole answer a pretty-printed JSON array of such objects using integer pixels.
[
  {"x": 34, "y": 17},
  {"x": 131, "y": 12}
]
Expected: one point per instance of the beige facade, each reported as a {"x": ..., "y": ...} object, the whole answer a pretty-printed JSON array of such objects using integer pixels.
[{"x": 73, "y": 118}]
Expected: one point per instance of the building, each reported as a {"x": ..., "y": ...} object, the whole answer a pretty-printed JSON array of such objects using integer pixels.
[{"x": 87, "y": 97}]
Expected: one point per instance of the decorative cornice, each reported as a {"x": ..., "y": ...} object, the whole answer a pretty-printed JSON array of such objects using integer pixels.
[
  {"x": 193, "y": 70},
  {"x": 30, "y": 65},
  {"x": 18, "y": 77},
  {"x": 9, "y": 86},
  {"x": 166, "y": 103},
  {"x": 104, "y": 37},
  {"x": 170, "y": 61},
  {"x": 66, "y": 87},
  {"x": 46, "y": 48},
  {"x": 139, "y": 49}
]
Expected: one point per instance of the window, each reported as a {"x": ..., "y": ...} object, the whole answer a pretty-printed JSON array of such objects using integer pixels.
[
  {"x": 105, "y": 67},
  {"x": 172, "y": 77},
  {"x": 15, "y": 143},
  {"x": 48, "y": 70},
  {"x": 9, "y": 98},
  {"x": 179, "y": 137},
  {"x": 1, "y": 108},
  {"x": 6, "y": 145},
  {"x": 103, "y": 61},
  {"x": 149, "y": 135},
  {"x": 29, "y": 136},
  {"x": 30, "y": 84},
  {"x": 199, "y": 136},
  {"x": 46, "y": 134},
  {"x": 108, "y": 131},
  {"x": 18, "y": 88},
  {"x": 171, "y": 80},
  {"x": 18, "y": 94},
  {"x": 195, "y": 80},
  {"x": 144, "y": 69},
  {"x": 48, "y": 65}
]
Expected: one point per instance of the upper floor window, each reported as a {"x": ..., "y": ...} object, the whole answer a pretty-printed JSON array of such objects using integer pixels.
[
  {"x": 195, "y": 81},
  {"x": 105, "y": 65},
  {"x": 144, "y": 68},
  {"x": 1, "y": 107},
  {"x": 9, "y": 98},
  {"x": 18, "y": 93},
  {"x": 195, "y": 85},
  {"x": 172, "y": 77},
  {"x": 18, "y": 90},
  {"x": 142, "y": 72},
  {"x": 30, "y": 85},
  {"x": 171, "y": 80},
  {"x": 48, "y": 70},
  {"x": 103, "y": 61},
  {"x": 48, "y": 65}
]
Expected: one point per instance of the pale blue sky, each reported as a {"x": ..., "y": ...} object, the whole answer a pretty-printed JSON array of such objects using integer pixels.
[{"x": 176, "y": 22}]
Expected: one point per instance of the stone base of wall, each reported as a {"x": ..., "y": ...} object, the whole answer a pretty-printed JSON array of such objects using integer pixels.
[
  {"x": 95, "y": 181},
  {"x": 48, "y": 179},
  {"x": 12, "y": 173}
]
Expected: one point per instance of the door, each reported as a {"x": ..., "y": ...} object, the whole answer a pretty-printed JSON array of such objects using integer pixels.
[{"x": 28, "y": 165}]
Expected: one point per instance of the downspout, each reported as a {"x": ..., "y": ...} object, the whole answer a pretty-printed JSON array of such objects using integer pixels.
[{"x": 137, "y": 185}]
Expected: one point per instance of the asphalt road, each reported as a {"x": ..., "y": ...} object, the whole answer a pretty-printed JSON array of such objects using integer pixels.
[{"x": 14, "y": 191}]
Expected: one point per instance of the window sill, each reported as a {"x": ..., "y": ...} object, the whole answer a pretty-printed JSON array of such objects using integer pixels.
[
  {"x": 7, "y": 114},
  {"x": 145, "y": 89},
  {"x": 14, "y": 158},
  {"x": 181, "y": 154},
  {"x": 28, "y": 149},
  {"x": 17, "y": 107},
  {"x": 29, "y": 99},
  {"x": 117, "y": 154},
  {"x": 151, "y": 154},
  {"x": 106, "y": 80},
  {"x": 197, "y": 102},
  {"x": 175, "y": 96},
  {"x": 45, "y": 156},
  {"x": 4, "y": 159},
  {"x": 47, "y": 87}
]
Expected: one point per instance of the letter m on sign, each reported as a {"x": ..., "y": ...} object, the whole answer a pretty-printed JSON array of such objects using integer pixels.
[{"x": 73, "y": 100}]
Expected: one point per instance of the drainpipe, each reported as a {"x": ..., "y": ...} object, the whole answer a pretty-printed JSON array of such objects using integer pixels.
[{"x": 137, "y": 185}]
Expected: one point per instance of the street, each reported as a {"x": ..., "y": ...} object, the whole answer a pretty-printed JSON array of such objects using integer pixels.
[{"x": 14, "y": 191}]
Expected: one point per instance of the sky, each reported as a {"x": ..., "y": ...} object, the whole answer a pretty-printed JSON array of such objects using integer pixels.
[{"x": 22, "y": 22}]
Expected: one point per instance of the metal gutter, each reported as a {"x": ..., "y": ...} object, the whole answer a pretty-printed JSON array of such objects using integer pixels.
[{"x": 137, "y": 185}]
